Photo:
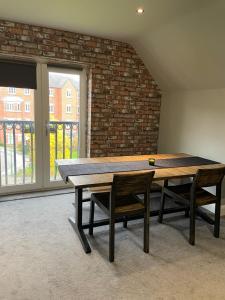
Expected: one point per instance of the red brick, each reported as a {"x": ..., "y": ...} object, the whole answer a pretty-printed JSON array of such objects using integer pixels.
[{"x": 123, "y": 98}]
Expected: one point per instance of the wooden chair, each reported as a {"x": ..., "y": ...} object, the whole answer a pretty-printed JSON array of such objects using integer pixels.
[
  {"x": 122, "y": 202},
  {"x": 193, "y": 195},
  {"x": 155, "y": 189}
]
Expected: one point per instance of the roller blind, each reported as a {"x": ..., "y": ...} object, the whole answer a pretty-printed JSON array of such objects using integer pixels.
[
  {"x": 74, "y": 67},
  {"x": 18, "y": 74}
]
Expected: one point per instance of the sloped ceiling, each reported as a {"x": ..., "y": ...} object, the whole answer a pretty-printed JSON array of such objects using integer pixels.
[
  {"x": 189, "y": 51},
  {"x": 182, "y": 42}
]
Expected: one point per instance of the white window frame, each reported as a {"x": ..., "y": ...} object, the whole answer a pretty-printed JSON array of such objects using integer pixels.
[
  {"x": 27, "y": 107},
  {"x": 9, "y": 107},
  {"x": 51, "y": 92},
  {"x": 18, "y": 107},
  {"x": 69, "y": 108},
  {"x": 11, "y": 90},
  {"x": 41, "y": 112},
  {"x": 83, "y": 117},
  {"x": 69, "y": 94},
  {"x": 51, "y": 108},
  {"x": 12, "y": 107},
  {"x": 26, "y": 92}
]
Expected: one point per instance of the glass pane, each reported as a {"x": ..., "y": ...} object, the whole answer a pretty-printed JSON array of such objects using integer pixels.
[
  {"x": 64, "y": 116},
  {"x": 17, "y": 136}
]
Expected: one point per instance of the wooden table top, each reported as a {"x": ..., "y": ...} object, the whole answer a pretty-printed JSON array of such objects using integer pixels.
[{"x": 94, "y": 180}]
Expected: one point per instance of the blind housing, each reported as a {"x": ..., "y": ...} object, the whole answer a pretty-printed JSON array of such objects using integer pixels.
[{"x": 18, "y": 74}]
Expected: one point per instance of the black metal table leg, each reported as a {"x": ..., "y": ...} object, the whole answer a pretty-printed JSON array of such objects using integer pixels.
[{"x": 77, "y": 222}]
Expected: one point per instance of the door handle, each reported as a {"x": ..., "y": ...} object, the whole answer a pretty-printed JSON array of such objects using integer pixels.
[{"x": 47, "y": 128}]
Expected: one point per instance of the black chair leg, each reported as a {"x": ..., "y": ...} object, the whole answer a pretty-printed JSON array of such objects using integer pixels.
[
  {"x": 91, "y": 217},
  {"x": 111, "y": 239},
  {"x": 217, "y": 220},
  {"x": 160, "y": 217},
  {"x": 125, "y": 222},
  {"x": 187, "y": 212},
  {"x": 146, "y": 231},
  {"x": 192, "y": 224}
]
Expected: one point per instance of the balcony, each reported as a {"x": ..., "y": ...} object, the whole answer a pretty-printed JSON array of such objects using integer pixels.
[{"x": 18, "y": 152}]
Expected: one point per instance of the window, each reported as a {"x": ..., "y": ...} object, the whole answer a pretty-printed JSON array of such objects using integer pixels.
[
  {"x": 12, "y": 91},
  {"x": 19, "y": 137},
  {"x": 51, "y": 108},
  {"x": 69, "y": 93},
  {"x": 51, "y": 92},
  {"x": 9, "y": 107},
  {"x": 26, "y": 92},
  {"x": 12, "y": 107},
  {"x": 27, "y": 107},
  {"x": 9, "y": 138},
  {"x": 68, "y": 109}
]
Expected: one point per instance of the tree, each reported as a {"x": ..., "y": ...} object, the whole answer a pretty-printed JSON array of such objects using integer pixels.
[{"x": 67, "y": 142}]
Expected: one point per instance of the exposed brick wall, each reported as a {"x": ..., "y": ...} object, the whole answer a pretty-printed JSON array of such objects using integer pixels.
[{"x": 125, "y": 100}]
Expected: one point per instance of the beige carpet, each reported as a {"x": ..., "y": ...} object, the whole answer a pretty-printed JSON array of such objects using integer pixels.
[{"x": 41, "y": 257}]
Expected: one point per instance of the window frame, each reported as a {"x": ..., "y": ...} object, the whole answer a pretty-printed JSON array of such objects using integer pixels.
[
  {"x": 41, "y": 119},
  {"x": 12, "y": 107},
  {"x": 69, "y": 93},
  {"x": 11, "y": 90},
  {"x": 69, "y": 111},
  {"x": 25, "y": 107},
  {"x": 51, "y": 92},
  {"x": 51, "y": 108},
  {"x": 26, "y": 92}
]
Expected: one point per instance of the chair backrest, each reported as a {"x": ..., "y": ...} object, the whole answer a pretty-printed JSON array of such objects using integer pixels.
[
  {"x": 209, "y": 177},
  {"x": 125, "y": 185}
]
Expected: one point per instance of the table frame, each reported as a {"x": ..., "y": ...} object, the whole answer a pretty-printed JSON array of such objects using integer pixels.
[{"x": 99, "y": 180}]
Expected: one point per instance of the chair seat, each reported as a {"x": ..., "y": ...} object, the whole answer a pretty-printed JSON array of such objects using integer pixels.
[
  {"x": 126, "y": 206},
  {"x": 99, "y": 189},
  {"x": 155, "y": 187},
  {"x": 184, "y": 191}
]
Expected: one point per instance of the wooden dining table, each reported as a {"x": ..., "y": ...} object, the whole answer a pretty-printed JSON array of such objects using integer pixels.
[{"x": 81, "y": 182}]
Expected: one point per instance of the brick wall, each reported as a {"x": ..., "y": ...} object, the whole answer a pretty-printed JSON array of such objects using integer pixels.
[{"x": 125, "y": 100}]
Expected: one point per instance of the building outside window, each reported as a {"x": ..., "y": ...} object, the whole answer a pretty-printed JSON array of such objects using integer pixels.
[
  {"x": 68, "y": 109},
  {"x": 27, "y": 107},
  {"x": 12, "y": 107},
  {"x": 69, "y": 93},
  {"x": 51, "y": 92},
  {"x": 8, "y": 107},
  {"x": 9, "y": 138},
  {"x": 51, "y": 108},
  {"x": 18, "y": 107},
  {"x": 26, "y": 92},
  {"x": 12, "y": 91}
]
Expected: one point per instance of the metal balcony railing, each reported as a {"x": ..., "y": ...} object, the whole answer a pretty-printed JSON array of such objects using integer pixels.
[{"x": 17, "y": 149}]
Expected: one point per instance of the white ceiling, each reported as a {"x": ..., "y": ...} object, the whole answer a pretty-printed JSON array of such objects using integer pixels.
[{"x": 182, "y": 42}]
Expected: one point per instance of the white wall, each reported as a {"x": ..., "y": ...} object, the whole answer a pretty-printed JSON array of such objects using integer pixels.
[
  {"x": 187, "y": 51},
  {"x": 194, "y": 122}
]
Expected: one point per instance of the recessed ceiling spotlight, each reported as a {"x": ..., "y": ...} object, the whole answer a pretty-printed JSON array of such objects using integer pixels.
[{"x": 140, "y": 11}]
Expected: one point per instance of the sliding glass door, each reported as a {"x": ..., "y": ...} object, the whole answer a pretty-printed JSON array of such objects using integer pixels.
[{"x": 39, "y": 126}]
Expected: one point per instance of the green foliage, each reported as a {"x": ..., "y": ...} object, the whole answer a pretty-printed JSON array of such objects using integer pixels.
[{"x": 60, "y": 148}]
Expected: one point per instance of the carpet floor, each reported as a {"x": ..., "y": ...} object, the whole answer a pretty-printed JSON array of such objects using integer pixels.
[{"x": 42, "y": 258}]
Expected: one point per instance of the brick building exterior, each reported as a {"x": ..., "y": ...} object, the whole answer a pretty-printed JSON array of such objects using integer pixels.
[
  {"x": 124, "y": 99},
  {"x": 16, "y": 104}
]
